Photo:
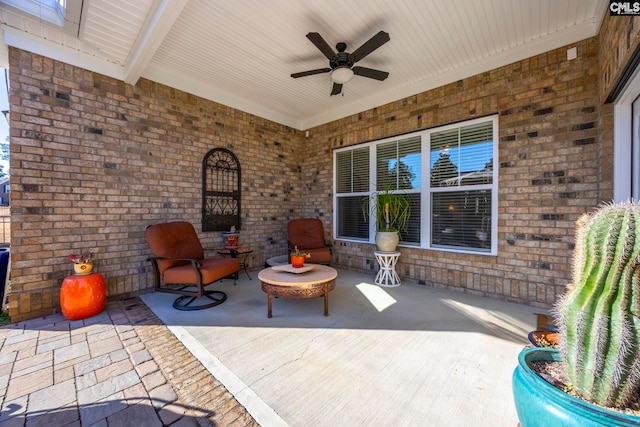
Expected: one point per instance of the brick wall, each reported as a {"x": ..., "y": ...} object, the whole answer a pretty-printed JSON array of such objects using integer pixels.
[
  {"x": 94, "y": 161},
  {"x": 549, "y": 171},
  {"x": 619, "y": 37}
]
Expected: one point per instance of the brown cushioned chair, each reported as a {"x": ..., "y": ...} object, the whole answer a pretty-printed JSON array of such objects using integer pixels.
[
  {"x": 308, "y": 235},
  {"x": 181, "y": 268}
]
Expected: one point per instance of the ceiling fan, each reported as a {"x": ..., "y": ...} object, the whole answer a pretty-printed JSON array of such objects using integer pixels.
[{"x": 341, "y": 62}]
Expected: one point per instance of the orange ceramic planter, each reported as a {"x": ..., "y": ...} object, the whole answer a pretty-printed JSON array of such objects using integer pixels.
[
  {"x": 84, "y": 268},
  {"x": 83, "y": 296},
  {"x": 231, "y": 240},
  {"x": 297, "y": 261}
]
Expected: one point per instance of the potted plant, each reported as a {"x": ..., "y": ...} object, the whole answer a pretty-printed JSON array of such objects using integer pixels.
[
  {"x": 231, "y": 238},
  {"x": 599, "y": 325},
  {"x": 297, "y": 257},
  {"x": 82, "y": 264},
  {"x": 391, "y": 212}
]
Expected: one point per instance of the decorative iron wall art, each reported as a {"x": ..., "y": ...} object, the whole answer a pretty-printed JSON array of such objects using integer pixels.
[{"x": 220, "y": 190}]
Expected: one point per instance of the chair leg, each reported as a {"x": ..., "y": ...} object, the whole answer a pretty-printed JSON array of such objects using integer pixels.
[
  {"x": 183, "y": 303},
  {"x": 235, "y": 276}
]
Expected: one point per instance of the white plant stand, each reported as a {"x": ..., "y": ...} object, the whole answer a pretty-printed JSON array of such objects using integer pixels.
[{"x": 387, "y": 275}]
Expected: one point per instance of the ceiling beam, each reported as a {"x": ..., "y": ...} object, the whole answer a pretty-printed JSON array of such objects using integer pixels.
[
  {"x": 156, "y": 29},
  {"x": 73, "y": 16}
]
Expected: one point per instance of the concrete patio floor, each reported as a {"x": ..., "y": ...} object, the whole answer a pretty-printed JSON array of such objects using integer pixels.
[{"x": 405, "y": 356}]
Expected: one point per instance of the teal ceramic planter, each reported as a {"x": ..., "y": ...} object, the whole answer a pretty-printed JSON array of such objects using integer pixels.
[{"x": 539, "y": 404}]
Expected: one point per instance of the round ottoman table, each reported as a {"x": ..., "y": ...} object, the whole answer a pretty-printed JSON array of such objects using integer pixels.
[{"x": 284, "y": 281}]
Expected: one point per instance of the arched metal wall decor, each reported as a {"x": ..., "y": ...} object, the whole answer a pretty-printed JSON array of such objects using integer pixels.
[{"x": 220, "y": 190}]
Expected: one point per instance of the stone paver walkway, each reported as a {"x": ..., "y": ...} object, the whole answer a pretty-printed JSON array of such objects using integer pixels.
[{"x": 121, "y": 367}]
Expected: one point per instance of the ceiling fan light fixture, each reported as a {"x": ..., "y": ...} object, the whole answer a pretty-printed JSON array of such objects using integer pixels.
[{"x": 341, "y": 75}]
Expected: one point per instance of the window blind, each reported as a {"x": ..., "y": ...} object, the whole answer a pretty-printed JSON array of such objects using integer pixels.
[
  {"x": 462, "y": 156},
  {"x": 398, "y": 164},
  {"x": 352, "y": 176},
  {"x": 352, "y": 171}
]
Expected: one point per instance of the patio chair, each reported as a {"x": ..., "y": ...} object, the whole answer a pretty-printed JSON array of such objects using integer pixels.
[
  {"x": 180, "y": 267},
  {"x": 308, "y": 235}
]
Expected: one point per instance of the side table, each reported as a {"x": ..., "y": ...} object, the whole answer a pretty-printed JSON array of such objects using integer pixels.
[
  {"x": 387, "y": 275},
  {"x": 284, "y": 282},
  {"x": 82, "y": 295},
  {"x": 242, "y": 253}
]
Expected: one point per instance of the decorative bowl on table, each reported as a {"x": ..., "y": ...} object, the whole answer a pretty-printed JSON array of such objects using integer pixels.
[{"x": 288, "y": 268}]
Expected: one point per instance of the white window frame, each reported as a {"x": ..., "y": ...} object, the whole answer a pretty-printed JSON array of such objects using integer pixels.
[
  {"x": 626, "y": 147},
  {"x": 425, "y": 188}
]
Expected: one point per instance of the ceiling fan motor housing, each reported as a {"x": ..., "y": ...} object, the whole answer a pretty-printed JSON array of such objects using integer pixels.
[{"x": 341, "y": 60}]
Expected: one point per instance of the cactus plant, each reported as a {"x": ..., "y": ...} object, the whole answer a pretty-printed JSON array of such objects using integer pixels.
[{"x": 599, "y": 316}]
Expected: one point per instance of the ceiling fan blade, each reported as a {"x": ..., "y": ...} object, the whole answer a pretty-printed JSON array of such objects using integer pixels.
[
  {"x": 369, "y": 46},
  {"x": 337, "y": 88},
  {"x": 310, "y": 72},
  {"x": 322, "y": 45},
  {"x": 370, "y": 72}
]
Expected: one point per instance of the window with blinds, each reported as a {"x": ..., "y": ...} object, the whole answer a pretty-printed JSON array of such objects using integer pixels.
[
  {"x": 398, "y": 168},
  {"x": 352, "y": 186},
  {"x": 462, "y": 156},
  {"x": 446, "y": 172},
  {"x": 461, "y": 182},
  {"x": 398, "y": 164}
]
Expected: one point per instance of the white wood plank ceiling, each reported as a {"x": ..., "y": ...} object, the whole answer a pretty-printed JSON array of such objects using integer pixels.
[{"x": 241, "y": 53}]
